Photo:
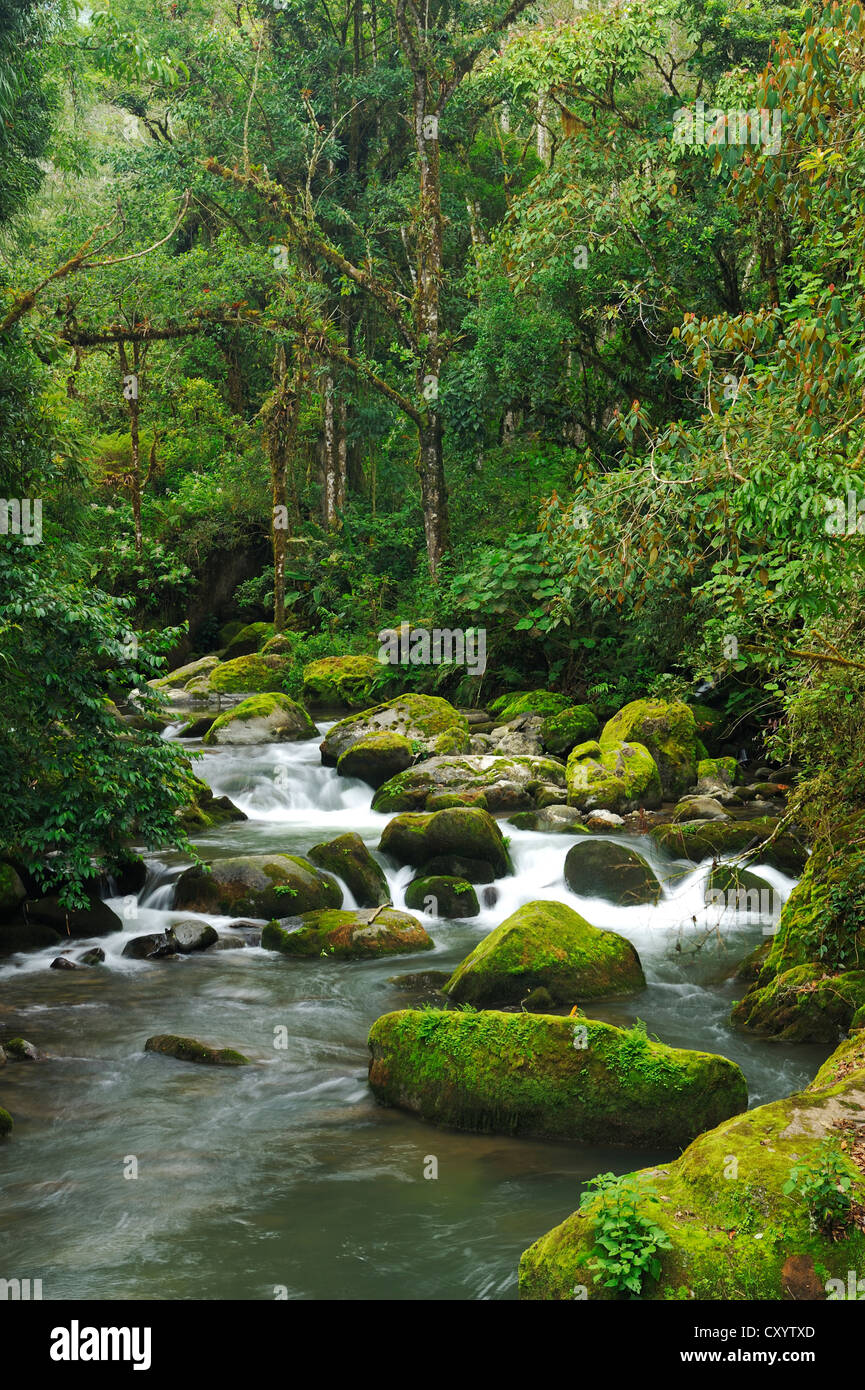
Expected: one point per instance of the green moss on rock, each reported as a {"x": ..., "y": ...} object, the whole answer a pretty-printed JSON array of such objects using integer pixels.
[
  {"x": 562, "y": 732},
  {"x": 667, "y": 729},
  {"x": 709, "y": 839},
  {"x": 521, "y": 1073},
  {"x": 273, "y": 718},
  {"x": 258, "y": 674},
  {"x": 247, "y": 640},
  {"x": 256, "y": 885},
  {"x": 451, "y": 897},
  {"x": 470, "y": 833},
  {"x": 190, "y": 1050},
  {"x": 350, "y": 682},
  {"x": 547, "y": 945},
  {"x": 12, "y": 891},
  {"x": 375, "y": 758},
  {"x": 348, "y": 857},
  {"x": 617, "y": 777},
  {"x": 544, "y": 702},
  {"x": 6, "y": 1123},
  {"x": 347, "y": 935},
  {"x": 734, "y": 1233},
  {"x": 603, "y": 869}
]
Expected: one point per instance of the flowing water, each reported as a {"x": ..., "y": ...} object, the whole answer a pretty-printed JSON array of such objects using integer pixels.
[{"x": 285, "y": 1179}]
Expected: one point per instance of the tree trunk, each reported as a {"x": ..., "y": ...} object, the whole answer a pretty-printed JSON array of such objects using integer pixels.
[
  {"x": 433, "y": 491},
  {"x": 130, "y": 395}
]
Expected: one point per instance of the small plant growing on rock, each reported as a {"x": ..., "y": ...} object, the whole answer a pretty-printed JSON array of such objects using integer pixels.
[
  {"x": 823, "y": 1182},
  {"x": 627, "y": 1242}
]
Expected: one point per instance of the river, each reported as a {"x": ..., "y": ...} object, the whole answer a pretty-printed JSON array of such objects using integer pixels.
[{"x": 285, "y": 1179}]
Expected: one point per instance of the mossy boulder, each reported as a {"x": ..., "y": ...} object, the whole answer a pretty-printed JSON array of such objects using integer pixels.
[
  {"x": 12, "y": 891},
  {"x": 179, "y": 678},
  {"x": 347, "y": 935},
  {"x": 806, "y": 1003},
  {"x": 346, "y": 682},
  {"x": 96, "y": 919},
  {"x": 190, "y": 1050},
  {"x": 548, "y": 1077},
  {"x": 348, "y": 857},
  {"x": 207, "y": 811},
  {"x": 6, "y": 1123},
  {"x": 734, "y": 1233},
  {"x": 517, "y": 702},
  {"x": 506, "y": 783},
  {"x": 424, "y": 721},
  {"x": 418, "y": 838},
  {"x": 597, "y": 868},
  {"x": 256, "y": 885},
  {"x": 262, "y": 719},
  {"x": 247, "y": 640},
  {"x": 710, "y": 839},
  {"x": 257, "y": 674},
  {"x": 563, "y": 731},
  {"x": 375, "y": 758},
  {"x": 722, "y": 771},
  {"x": 442, "y": 896},
  {"x": 282, "y": 644},
  {"x": 618, "y": 777},
  {"x": 667, "y": 729},
  {"x": 551, "y": 820},
  {"x": 546, "y": 945}
]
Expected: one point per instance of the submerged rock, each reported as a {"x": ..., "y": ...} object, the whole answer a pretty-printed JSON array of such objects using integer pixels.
[
  {"x": 348, "y": 857},
  {"x": 734, "y": 1229},
  {"x": 603, "y": 869},
  {"x": 20, "y": 1050},
  {"x": 347, "y": 935},
  {"x": 190, "y": 1050},
  {"x": 262, "y": 719},
  {"x": 93, "y": 957},
  {"x": 421, "y": 837},
  {"x": 546, "y": 945},
  {"x": 261, "y": 885},
  {"x": 548, "y": 1077}
]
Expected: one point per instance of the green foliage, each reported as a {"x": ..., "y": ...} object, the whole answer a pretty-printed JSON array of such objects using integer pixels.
[
  {"x": 823, "y": 1182},
  {"x": 625, "y": 1252}
]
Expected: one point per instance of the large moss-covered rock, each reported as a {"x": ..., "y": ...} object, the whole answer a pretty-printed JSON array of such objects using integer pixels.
[
  {"x": 256, "y": 885},
  {"x": 667, "y": 729},
  {"x": 442, "y": 896},
  {"x": 548, "y": 1077},
  {"x": 347, "y": 935},
  {"x": 709, "y": 839},
  {"x": 190, "y": 1050},
  {"x": 347, "y": 682},
  {"x": 96, "y": 919},
  {"x": 506, "y": 784},
  {"x": 262, "y": 719},
  {"x": 12, "y": 891},
  {"x": 546, "y": 945},
  {"x": 429, "y": 724},
  {"x": 617, "y": 777},
  {"x": 348, "y": 857},
  {"x": 603, "y": 869},
  {"x": 419, "y": 837},
  {"x": 376, "y": 757},
  {"x": 516, "y": 702},
  {"x": 6, "y": 1123},
  {"x": 179, "y": 678},
  {"x": 247, "y": 640},
  {"x": 257, "y": 674},
  {"x": 561, "y": 732},
  {"x": 734, "y": 1233},
  {"x": 806, "y": 1003}
]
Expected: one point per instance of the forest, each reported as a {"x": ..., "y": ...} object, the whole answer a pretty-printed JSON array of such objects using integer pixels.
[{"x": 432, "y": 441}]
